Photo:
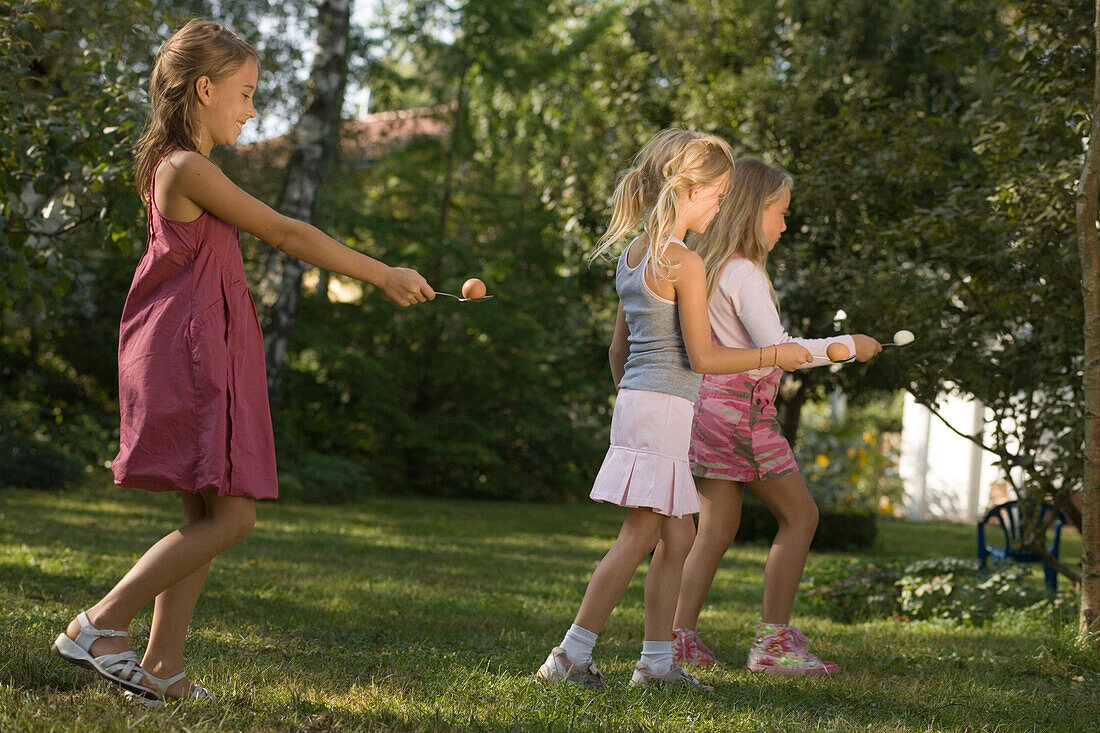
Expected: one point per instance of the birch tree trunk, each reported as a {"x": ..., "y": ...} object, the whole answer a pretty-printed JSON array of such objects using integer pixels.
[
  {"x": 1090, "y": 270},
  {"x": 314, "y": 140}
]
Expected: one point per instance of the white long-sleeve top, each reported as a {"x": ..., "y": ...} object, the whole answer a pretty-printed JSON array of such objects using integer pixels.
[{"x": 742, "y": 315}]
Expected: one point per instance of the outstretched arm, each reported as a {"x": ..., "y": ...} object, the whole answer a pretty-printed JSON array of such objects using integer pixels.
[
  {"x": 756, "y": 311},
  {"x": 196, "y": 179}
]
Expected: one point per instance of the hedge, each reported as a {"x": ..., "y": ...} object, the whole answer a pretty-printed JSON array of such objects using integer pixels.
[{"x": 836, "y": 529}]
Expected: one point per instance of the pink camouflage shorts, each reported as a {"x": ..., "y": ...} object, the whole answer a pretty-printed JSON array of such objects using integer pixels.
[{"x": 735, "y": 434}]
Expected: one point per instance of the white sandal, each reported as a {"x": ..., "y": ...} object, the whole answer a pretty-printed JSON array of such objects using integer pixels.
[
  {"x": 198, "y": 692},
  {"x": 122, "y": 668}
]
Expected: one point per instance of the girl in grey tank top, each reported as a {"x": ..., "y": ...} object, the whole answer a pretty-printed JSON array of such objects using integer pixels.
[
  {"x": 658, "y": 360},
  {"x": 646, "y": 469}
]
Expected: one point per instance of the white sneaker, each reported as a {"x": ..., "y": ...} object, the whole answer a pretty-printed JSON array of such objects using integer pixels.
[
  {"x": 675, "y": 677},
  {"x": 558, "y": 668}
]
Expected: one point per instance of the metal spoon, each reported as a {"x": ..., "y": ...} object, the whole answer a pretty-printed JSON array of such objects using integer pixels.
[
  {"x": 460, "y": 299},
  {"x": 838, "y": 361}
]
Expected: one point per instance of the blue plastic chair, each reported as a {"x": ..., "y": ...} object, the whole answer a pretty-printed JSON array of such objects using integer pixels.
[{"x": 1008, "y": 514}]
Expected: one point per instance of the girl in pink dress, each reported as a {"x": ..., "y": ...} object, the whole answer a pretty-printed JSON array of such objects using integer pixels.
[
  {"x": 661, "y": 344},
  {"x": 192, "y": 382},
  {"x": 735, "y": 438}
]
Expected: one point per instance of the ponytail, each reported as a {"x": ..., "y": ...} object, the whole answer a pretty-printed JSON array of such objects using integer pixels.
[
  {"x": 673, "y": 161},
  {"x": 659, "y": 224},
  {"x": 627, "y": 206}
]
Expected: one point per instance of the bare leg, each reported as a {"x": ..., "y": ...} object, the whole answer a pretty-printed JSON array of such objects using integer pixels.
[
  {"x": 172, "y": 611},
  {"x": 173, "y": 559},
  {"x": 639, "y": 534},
  {"x": 794, "y": 508},
  {"x": 719, "y": 517},
  {"x": 662, "y": 582}
]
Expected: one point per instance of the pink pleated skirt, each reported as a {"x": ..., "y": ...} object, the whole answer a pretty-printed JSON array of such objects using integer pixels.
[{"x": 647, "y": 463}]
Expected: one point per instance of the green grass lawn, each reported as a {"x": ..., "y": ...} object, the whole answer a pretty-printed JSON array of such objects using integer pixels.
[{"x": 428, "y": 615}]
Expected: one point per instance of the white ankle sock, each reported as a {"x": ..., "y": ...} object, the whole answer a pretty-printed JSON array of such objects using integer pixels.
[
  {"x": 578, "y": 643},
  {"x": 657, "y": 656}
]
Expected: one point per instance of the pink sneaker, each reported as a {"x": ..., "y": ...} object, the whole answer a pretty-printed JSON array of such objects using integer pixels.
[
  {"x": 778, "y": 649},
  {"x": 688, "y": 648},
  {"x": 830, "y": 667}
]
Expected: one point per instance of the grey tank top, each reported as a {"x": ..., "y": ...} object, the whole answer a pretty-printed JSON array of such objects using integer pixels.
[{"x": 658, "y": 360}]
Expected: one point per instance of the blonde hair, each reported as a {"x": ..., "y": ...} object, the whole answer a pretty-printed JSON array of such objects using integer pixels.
[
  {"x": 738, "y": 226},
  {"x": 200, "y": 48},
  {"x": 671, "y": 162}
]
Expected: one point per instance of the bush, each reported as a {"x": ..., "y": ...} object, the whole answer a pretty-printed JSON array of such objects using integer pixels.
[
  {"x": 32, "y": 464},
  {"x": 836, "y": 529},
  {"x": 954, "y": 588},
  {"x": 941, "y": 588},
  {"x": 316, "y": 478},
  {"x": 854, "y": 590}
]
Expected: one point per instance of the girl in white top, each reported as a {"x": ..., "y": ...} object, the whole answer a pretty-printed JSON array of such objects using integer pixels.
[
  {"x": 735, "y": 438},
  {"x": 662, "y": 336}
]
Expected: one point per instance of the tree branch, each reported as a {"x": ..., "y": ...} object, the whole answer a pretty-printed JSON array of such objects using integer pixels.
[
  {"x": 57, "y": 233},
  {"x": 1002, "y": 454}
]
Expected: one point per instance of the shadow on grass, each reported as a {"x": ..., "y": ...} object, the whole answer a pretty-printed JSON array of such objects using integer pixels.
[{"x": 443, "y": 616}]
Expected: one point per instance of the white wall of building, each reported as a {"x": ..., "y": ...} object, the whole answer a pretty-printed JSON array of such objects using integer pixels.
[{"x": 946, "y": 476}]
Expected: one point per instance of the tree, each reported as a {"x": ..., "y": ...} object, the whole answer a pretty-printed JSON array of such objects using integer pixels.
[
  {"x": 69, "y": 217},
  {"x": 1088, "y": 193},
  {"x": 314, "y": 141},
  {"x": 503, "y": 399},
  {"x": 71, "y": 224},
  {"x": 935, "y": 147},
  {"x": 1015, "y": 305}
]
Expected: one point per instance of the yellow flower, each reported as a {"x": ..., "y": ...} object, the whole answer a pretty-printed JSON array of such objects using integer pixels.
[{"x": 822, "y": 460}]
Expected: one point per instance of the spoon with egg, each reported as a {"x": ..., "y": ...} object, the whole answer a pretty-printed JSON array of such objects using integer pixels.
[
  {"x": 473, "y": 290},
  {"x": 838, "y": 353}
]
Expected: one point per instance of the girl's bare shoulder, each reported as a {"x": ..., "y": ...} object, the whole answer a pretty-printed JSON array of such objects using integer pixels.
[
  {"x": 678, "y": 254},
  {"x": 188, "y": 162}
]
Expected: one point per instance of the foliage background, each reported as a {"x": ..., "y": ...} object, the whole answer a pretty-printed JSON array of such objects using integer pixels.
[{"x": 934, "y": 146}]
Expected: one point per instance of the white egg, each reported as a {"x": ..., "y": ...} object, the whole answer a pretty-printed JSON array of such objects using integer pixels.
[{"x": 903, "y": 337}]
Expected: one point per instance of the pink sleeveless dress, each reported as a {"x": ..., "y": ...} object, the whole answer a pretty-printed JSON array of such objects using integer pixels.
[{"x": 191, "y": 377}]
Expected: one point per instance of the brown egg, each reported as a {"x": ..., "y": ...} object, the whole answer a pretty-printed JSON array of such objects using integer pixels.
[
  {"x": 837, "y": 352},
  {"x": 473, "y": 288}
]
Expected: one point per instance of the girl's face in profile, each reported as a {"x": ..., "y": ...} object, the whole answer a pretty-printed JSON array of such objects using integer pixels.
[
  {"x": 228, "y": 105},
  {"x": 774, "y": 219}
]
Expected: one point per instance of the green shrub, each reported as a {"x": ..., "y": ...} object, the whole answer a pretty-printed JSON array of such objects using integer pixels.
[
  {"x": 954, "y": 588},
  {"x": 855, "y": 590},
  {"x": 33, "y": 464},
  {"x": 941, "y": 588},
  {"x": 316, "y": 478},
  {"x": 837, "y": 529}
]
